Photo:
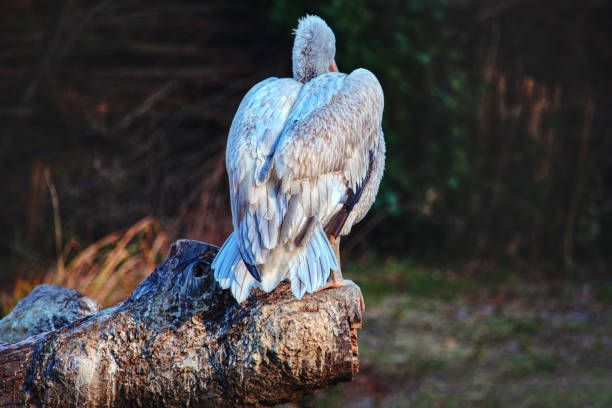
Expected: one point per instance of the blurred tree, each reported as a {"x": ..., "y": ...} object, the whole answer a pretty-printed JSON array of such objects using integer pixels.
[{"x": 497, "y": 120}]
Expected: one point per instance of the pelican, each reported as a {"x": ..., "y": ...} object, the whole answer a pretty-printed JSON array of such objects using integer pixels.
[{"x": 305, "y": 156}]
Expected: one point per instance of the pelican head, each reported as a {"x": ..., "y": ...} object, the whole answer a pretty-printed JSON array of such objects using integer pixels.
[{"x": 314, "y": 49}]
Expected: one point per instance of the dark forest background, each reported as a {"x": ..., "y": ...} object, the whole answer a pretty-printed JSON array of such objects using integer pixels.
[
  {"x": 497, "y": 117},
  {"x": 485, "y": 262}
]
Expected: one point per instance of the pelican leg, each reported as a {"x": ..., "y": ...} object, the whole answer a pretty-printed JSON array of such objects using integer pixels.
[
  {"x": 336, "y": 280},
  {"x": 336, "y": 275}
]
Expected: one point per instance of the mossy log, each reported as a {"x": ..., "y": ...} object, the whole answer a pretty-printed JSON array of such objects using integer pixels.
[{"x": 179, "y": 340}]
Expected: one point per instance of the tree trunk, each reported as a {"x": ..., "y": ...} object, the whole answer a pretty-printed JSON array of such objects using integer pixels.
[{"x": 179, "y": 340}]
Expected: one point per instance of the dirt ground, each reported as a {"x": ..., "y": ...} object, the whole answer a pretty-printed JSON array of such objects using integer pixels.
[{"x": 432, "y": 339}]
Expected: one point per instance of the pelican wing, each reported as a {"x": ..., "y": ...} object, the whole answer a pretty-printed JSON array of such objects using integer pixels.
[
  {"x": 255, "y": 130},
  {"x": 334, "y": 137},
  {"x": 330, "y": 137}
]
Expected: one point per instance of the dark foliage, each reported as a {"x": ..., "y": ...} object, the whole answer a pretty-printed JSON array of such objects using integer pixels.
[
  {"x": 497, "y": 120},
  {"x": 497, "y": 117}
]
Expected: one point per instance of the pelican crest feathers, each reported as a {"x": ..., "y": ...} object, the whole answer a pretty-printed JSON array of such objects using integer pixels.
[{"x": 314, "y": 48}]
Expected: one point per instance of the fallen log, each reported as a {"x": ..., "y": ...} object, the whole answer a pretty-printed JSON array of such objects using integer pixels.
[{"x": 179, "y": 340}]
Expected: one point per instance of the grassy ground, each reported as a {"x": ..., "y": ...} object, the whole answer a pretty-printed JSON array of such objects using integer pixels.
[{"x": 431, "y": 339}]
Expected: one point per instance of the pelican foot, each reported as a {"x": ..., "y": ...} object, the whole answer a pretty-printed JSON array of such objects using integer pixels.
[{"x": 340, "y": 283}]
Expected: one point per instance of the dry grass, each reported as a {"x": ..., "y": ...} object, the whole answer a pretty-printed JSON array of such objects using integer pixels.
[{"x": 107, "y": 270}]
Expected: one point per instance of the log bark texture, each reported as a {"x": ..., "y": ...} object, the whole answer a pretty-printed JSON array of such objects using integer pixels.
[{"x": 179, "y": 340}]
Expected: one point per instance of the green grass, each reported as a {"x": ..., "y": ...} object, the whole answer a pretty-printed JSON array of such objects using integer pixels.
[
  {"x": 434, "y": 338},
  {"x": 380, "y": 278}
]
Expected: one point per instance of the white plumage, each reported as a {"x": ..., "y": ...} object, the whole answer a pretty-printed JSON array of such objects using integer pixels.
[{"x": 298, "y": 152}]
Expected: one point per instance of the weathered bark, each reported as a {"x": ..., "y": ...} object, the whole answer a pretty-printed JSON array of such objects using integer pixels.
[{"x": 180, "y": 340}]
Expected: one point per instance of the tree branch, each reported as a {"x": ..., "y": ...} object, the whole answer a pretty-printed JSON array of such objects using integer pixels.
[{"x": 179, "y": 340}]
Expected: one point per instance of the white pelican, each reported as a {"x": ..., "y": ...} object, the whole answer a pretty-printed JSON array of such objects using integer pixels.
[{"x": 305, "y": 156}]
